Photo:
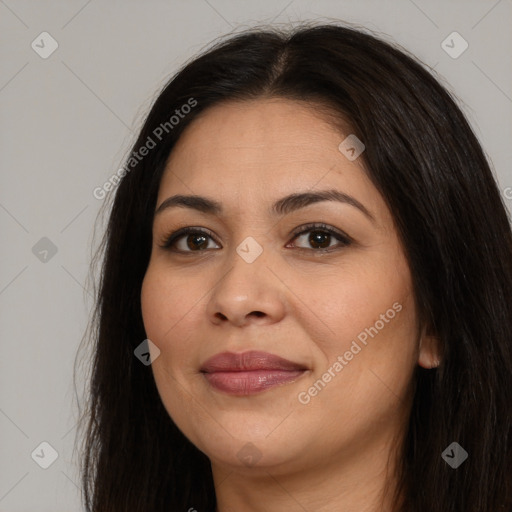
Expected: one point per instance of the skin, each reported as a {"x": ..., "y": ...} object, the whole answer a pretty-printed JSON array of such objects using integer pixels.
[{"x": 332, "y": 453}]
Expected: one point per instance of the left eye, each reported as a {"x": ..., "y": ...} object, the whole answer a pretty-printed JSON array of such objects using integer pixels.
[
  {"x": 196, "y": 239},
  {"x": 320, "y": 236}
]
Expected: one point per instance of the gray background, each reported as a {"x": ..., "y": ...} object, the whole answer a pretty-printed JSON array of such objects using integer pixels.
[{"x": 68, "y": 120}]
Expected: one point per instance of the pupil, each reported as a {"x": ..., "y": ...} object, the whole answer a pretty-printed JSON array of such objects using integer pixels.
[
  {"x": 195, "y": 238},
  {"x": 314, "y": 239}
]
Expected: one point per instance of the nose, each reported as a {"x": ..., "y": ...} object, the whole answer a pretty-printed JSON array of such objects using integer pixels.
[{"x": 247, "y": 293}]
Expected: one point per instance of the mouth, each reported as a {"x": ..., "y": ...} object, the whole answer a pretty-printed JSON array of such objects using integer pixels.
[{"x": 250, "y": 372}]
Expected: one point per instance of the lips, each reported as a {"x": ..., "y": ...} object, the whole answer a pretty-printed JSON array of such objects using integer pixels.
[
  {"x": 248, "y": 361},
  {"x": 249, "y": 372}
]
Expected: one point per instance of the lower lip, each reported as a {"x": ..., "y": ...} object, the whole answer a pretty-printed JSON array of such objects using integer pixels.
[{"x": 250, "y": 382}]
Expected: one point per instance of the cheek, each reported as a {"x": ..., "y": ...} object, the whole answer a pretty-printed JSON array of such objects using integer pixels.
[
  {"x": 170, "y": 306},
  {"x": 372, "y": 327},
  {"x": 367, "y": 387},
  {"x": 152, "y": 306},
  {"x": 358, "y": 299},
  {"x": 164, "y": 305},
  {"x": 163, "y": 316}
]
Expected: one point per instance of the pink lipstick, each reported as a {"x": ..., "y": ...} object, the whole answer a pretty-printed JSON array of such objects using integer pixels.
[{"x": 250, "y": 372}]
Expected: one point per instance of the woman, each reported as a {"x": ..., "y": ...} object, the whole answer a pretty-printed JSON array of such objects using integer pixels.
[{"x": 309, "y": 247}]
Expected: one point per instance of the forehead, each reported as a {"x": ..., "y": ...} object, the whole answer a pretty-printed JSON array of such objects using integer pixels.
[
  {"x": 263, "y": 150},
  {"x": 285, "y": 129}
]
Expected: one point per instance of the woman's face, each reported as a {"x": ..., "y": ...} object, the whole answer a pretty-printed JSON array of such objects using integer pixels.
[{"x": 257, "y": 277}]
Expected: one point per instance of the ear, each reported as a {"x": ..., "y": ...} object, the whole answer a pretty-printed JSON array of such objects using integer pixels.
[{"x": 429, "y": 350}]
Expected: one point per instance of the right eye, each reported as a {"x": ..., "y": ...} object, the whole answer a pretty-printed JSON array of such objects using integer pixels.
[{"x": 195, "y": 239}]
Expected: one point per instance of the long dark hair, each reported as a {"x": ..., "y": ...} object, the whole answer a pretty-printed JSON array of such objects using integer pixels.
[{"x": 423, "y": 157}]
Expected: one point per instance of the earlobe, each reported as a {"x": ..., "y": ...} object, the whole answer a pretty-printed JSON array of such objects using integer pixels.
[{"x": 429, "y": 351}]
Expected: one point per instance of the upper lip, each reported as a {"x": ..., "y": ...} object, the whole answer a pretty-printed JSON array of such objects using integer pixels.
[{"x": 247, "y": 361}]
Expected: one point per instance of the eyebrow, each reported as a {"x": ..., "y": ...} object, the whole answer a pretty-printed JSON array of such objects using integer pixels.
[{"x": 281, "y": 207}]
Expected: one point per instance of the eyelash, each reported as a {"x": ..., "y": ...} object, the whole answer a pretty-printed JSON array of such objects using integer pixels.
[{"x": 344, "y": 239}]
